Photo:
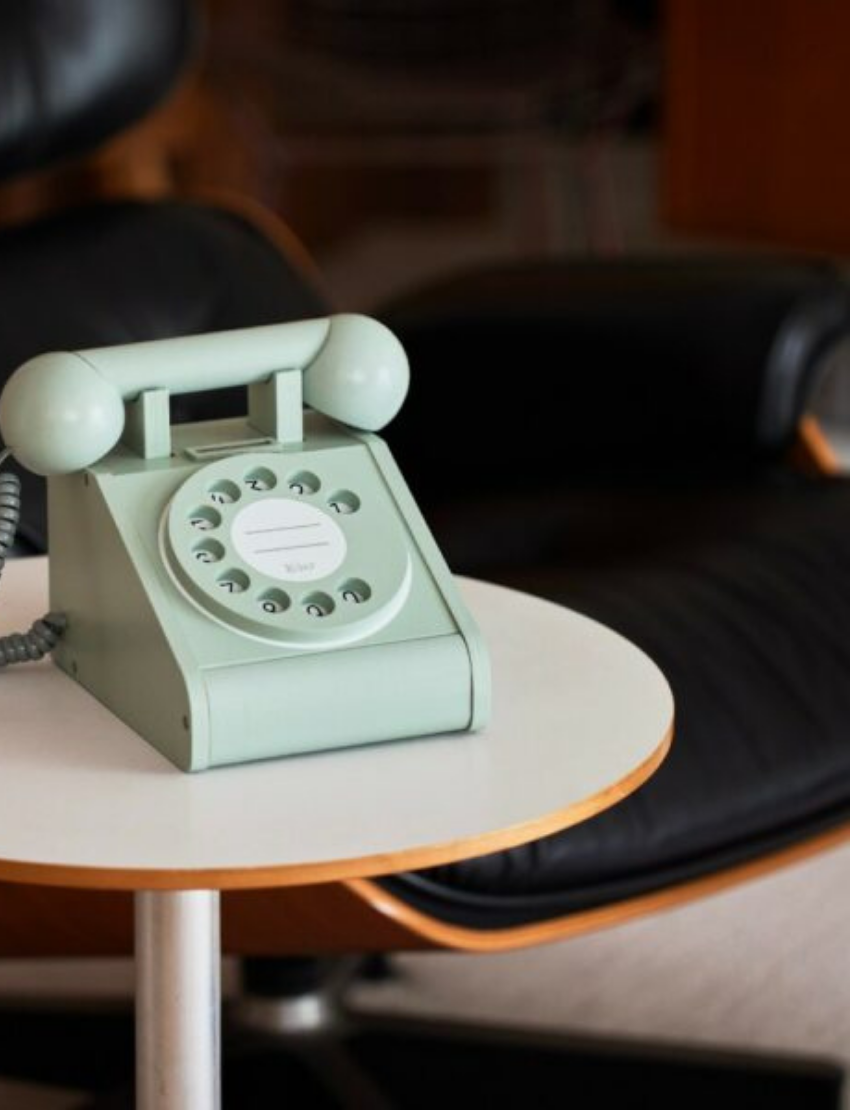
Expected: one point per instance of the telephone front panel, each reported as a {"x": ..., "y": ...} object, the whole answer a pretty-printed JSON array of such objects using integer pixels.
[{"x": 256, "y": 587}]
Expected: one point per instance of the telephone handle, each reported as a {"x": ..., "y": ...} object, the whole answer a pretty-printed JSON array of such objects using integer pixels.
[{"x": 63, "y": 411}]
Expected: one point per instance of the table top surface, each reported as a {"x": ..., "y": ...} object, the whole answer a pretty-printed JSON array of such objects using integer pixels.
[{"x": 580, "y": 718}]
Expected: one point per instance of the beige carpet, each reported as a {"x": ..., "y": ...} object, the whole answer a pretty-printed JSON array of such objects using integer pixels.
[{"x": 761, "y": 966}]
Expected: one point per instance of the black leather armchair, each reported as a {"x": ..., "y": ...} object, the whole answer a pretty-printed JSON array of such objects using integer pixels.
[{"x": 623, "y": 433}]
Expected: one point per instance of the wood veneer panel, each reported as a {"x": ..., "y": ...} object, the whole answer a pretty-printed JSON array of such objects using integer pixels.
[{"x": 756, "y": 142}]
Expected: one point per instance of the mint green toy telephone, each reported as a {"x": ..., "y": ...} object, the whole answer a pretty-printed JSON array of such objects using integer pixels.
[{"x": 245, "y": 588}]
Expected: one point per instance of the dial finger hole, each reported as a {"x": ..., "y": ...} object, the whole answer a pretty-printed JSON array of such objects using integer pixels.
[
  {"x": 260, "y": 479},
  {"x": 355, "y": 591},
  {"x": 204, "y": 519},
  {"x": 233, "y": 581},
  {"x": 318, "y": 605},
  {"x": 224, "y": 492},
  {"x": 273, "y": 601},
  {"x": 303, "y": 483},
  {"x": 344, "y": 502},
  {"x": 208, "y": 551}
]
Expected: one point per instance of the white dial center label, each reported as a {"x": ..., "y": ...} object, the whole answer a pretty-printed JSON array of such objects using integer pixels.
[{"x": 288, "y": 539}]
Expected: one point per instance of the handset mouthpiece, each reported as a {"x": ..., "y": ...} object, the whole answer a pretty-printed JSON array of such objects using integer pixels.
[{"x": 58, "y": 415}]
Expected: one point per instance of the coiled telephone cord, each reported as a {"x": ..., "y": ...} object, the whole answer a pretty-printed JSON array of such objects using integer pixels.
[{"x": 21, "y": 647}]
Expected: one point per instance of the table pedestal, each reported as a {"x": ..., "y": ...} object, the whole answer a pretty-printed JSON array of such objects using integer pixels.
[{"x": 178, "y": 1000}]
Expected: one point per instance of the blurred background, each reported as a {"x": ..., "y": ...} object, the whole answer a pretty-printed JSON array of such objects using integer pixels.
[{"x": 401, "y": 138}]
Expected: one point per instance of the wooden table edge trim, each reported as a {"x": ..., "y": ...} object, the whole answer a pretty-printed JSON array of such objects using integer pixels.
[
  {"x": 263, "y": 877},
  {"x": 434, "y": 933}
]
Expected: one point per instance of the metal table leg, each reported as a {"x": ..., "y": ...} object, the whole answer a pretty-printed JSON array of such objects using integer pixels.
[{"x": 178, "y": 1000}]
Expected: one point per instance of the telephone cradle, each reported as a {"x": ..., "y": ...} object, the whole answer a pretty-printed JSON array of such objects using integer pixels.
[{"x": 247, "y": 588}]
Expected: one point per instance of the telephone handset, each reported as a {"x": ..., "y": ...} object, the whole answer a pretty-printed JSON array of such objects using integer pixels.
[{"x": 253, "y": 587}]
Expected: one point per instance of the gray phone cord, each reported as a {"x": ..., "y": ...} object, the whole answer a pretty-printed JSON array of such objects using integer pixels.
[{"x": 21, "y": 647}]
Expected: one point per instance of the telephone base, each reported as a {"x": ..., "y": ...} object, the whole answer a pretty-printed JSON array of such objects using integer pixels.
[{"x": 362, "y": 637}]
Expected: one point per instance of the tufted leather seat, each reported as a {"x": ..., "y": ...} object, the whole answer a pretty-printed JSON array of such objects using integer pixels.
[{"x": 734, "y": 578}]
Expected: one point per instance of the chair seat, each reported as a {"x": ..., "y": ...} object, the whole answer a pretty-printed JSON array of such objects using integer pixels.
[
  {"x": 741, "y": 593},
  {"x": 130, "y": 271}
]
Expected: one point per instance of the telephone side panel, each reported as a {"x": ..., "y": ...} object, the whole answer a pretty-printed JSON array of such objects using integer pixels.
[{"x": 115, "y": 645}]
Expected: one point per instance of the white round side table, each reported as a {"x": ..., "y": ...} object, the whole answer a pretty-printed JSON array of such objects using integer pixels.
[{"x": 581, "y": 718}]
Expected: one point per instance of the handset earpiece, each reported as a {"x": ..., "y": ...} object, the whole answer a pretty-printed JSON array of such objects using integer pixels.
[
  {"x": 360, "y": 376},
  {"x": 62, "y": 412}
]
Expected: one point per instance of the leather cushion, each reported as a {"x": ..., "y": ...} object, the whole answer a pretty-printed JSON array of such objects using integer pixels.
[
  {"x": 741, "y": 593},
  {"x": 74, "y": 72},
  {"x": 119, "y": 273},
  {"x": 570, "y": 366}
]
